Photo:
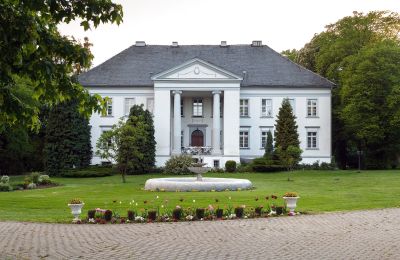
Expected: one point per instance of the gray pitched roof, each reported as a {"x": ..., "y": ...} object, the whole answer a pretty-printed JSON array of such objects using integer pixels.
[{"x": 264, "y": 67}]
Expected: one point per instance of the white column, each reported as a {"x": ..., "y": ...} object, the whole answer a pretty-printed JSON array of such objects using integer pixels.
[
  {"x": 216, "y": 129},
  {"x": 177, "y": 122},
  {"x": 162, "y": 122}
]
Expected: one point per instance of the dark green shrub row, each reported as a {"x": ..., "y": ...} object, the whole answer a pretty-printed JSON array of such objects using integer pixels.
[{"x": 94, "y": 171}]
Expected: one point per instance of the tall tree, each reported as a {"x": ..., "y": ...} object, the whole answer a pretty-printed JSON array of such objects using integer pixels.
[
  {"x": 286, "y": 137},
  {"x": 290, "y": 54},
  {"x": 67, "y": 142},
  {"x": 371, "y": 102},
  {"x": 32, "y": 48},
  {"x": 327, "y": 52}
]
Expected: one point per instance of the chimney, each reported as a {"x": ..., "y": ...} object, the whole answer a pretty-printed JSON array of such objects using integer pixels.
[
  {"x": 174, "y": 44},
  {"x": 256, "y": 44},
  {"x": 223, "y": 44},
  {"x": 140, "y": 43}
]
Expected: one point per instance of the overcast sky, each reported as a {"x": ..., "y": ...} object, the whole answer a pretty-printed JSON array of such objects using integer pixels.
[{"x": 281, "y": 24}]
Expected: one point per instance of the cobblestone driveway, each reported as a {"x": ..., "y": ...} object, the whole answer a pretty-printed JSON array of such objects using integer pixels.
[{"x": 373, "y": 234}]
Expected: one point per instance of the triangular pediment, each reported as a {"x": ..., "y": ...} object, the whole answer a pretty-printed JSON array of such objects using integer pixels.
[{"x": 196, "y": 69}]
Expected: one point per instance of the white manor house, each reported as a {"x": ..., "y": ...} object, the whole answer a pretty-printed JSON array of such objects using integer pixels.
[{"x": 220, "y": 100}]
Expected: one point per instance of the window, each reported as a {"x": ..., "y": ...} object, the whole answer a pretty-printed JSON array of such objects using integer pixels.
[
  {"x": 264, "y": 135},
  {"x": 311, "y": 107},
  {"x": 182, "y": 139},
  {"x": 292, "y": 104},
  {"x": 150, "y": 105},
  {"x": 312, "y": 139},
  {"x": 216, "y": 164},
  {"x": 129, "y": 103},
  {"x": 182, "y": 114},
  {"x": 109, "y": 108},
  {"x": 198, "y": 107},
  {"x": 244, "y": 107},
  {"x": 266, "y": 107},
  {"x": 244, "y": 139}
]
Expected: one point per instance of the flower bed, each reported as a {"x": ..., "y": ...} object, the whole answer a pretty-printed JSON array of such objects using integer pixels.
[{"x": 158, "y": 210}]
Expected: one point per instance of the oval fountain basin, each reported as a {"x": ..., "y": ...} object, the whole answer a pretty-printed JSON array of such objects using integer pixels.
[{"x": 191, "y": 184}]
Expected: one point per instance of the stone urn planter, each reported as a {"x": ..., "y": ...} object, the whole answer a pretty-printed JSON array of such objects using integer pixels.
[
  {"x": 291, "y": 203},
  {"x": 76, "y": 210}
]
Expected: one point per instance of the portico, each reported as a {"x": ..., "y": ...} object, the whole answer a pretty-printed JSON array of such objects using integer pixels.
[{"x": 195, "y": 116}]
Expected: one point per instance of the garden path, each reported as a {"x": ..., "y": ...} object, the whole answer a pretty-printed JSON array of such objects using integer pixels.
[{"x": 371, "y": 234}]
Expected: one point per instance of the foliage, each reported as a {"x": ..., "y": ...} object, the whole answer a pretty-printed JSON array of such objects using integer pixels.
[
  {"x": 67, "y": 142},
  {"x": 269, "y": 146},
  {"x": 290, "y": 54},
  {"x": 290, "y": 194},
  {"x": 31, "y": 186},
  {"x": 92, "y": 171},
  {"x": 152, "y": 215},
  {"x": 290, "y": 157},
  {"x": 35, "y": 177},
  {"x": 330, "y": 54},
  {"x": 219, "y": 213},
  {"x": 33, "y": 49},
  {"x": 91, "y": 213},
  {"x": 230, "y": 166},
  {"x": 131, "y": 215},
  {"x": 44, "y": 180},
  {"x": 177, "y": 213},
  {"x": 5, "y": 187},
  {"x": 5, "y": 179},
  {"x": 370, "y": 97},
  {"x": 75, "y": 201},
  {"x": 178, "y": 164}
]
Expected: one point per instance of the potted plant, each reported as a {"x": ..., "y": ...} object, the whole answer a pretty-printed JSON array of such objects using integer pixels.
[
  {"x": 76, "y": 206},
  {"x": 291, "y": 201}
]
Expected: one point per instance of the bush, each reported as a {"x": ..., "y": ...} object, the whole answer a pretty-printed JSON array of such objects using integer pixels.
[
  {"x": 93, "y": 171},
  {"x": 200, "y": 213},
  {"x": 5, "y": 179},
  {"x": 239, "y": 212},
  {"x": 108, "y": 215},
  {"x": 219, "y": 213},
  {"x": 178, "y": 164},
  {"x": 91, "y": 213},
  {"x": 244, "y": 167},
  {"x": 35, "y": 177},
  {"x": 152, "y": 215},
  {"x": 230, "y": 166},
  {"x": 44, "y": 180},
  {"x": 177, "y": 213},
  {"x": 258, "y": 210},
  {"x": 268, "y": 168},
  {"x": 5, "y": 187},
  {"x": 31, "y": 186},
  {"x": 131, "y": 215}
]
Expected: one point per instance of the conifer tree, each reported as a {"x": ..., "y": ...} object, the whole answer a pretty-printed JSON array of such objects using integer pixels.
[
  {"x": 269, "y": 146},
  {"x": 67, "y": 140}
]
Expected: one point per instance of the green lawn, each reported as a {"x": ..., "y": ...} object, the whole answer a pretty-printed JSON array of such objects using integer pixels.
[{"x": 320, "y": 191}]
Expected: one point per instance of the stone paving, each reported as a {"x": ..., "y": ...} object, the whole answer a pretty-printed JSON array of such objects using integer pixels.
[{"x": 372, "y": 234}]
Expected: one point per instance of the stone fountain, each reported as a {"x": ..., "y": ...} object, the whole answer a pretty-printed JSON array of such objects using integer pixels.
[{"x": 197, "y": 183}]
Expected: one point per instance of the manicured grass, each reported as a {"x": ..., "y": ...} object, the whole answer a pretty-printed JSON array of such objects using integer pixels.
[{"x": 319, "y": 191}]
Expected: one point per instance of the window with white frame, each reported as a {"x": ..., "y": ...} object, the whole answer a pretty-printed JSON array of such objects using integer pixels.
[
  {"x": 150, "y": 105},
  {"x": 198, "y": 107},
  {"x": 104, "y": 130},
  {"x": 244, "y": 139},
  {"x": 266, "y": 107},
  {"x": 264, "y": 136},
  {"x": 109, "y": 108},
  {"x": 312, "y": 107},
  {"x": 129, "y": 103},
  {"x": 244, "y": 107},
  {"x": 312, "y": 139},
  {"x": 216, "y": 164}
]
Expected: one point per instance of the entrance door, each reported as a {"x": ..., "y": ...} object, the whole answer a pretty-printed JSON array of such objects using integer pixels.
[{"x": 197, "y": 138}]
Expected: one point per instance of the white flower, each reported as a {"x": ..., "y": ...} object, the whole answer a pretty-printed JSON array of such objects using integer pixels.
[
  {"x": 230, "y": 198},
  {"x": 120, "y": 202},
  {"x": 136, "y": 204},
  {"x": 194, "y": 201},
  {"x": 157, "y": 197},
  {"x": 162, "y": 206},
  {"x": 189, "y": 217},
  {"x": 139, "y": 219}
]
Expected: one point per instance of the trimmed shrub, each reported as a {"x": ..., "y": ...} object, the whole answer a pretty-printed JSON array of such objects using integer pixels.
[
  {"x": 239, "y": 212},
  {"x": 268, "y": 168},
  {"x": 219, "y": 213},
  {"x": 35, "y": 177},
  {"x": 152, "y": 215},
  {"x": 94, "y": 171},
  {"x": 131, "y": 215},
  {"x": 177, "y": 213},
  {"x": 5, "y": 179},
  {"x": 200, "y": 213},
  {"x": 91, "y": 213},
  {"x": 178, "y": 164},
  {"x": 5, "y": 187},
  {"x": 108, "y": 215},
  {"x": 230, "y": 166},
  {"x": 44, "y": 180}
]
